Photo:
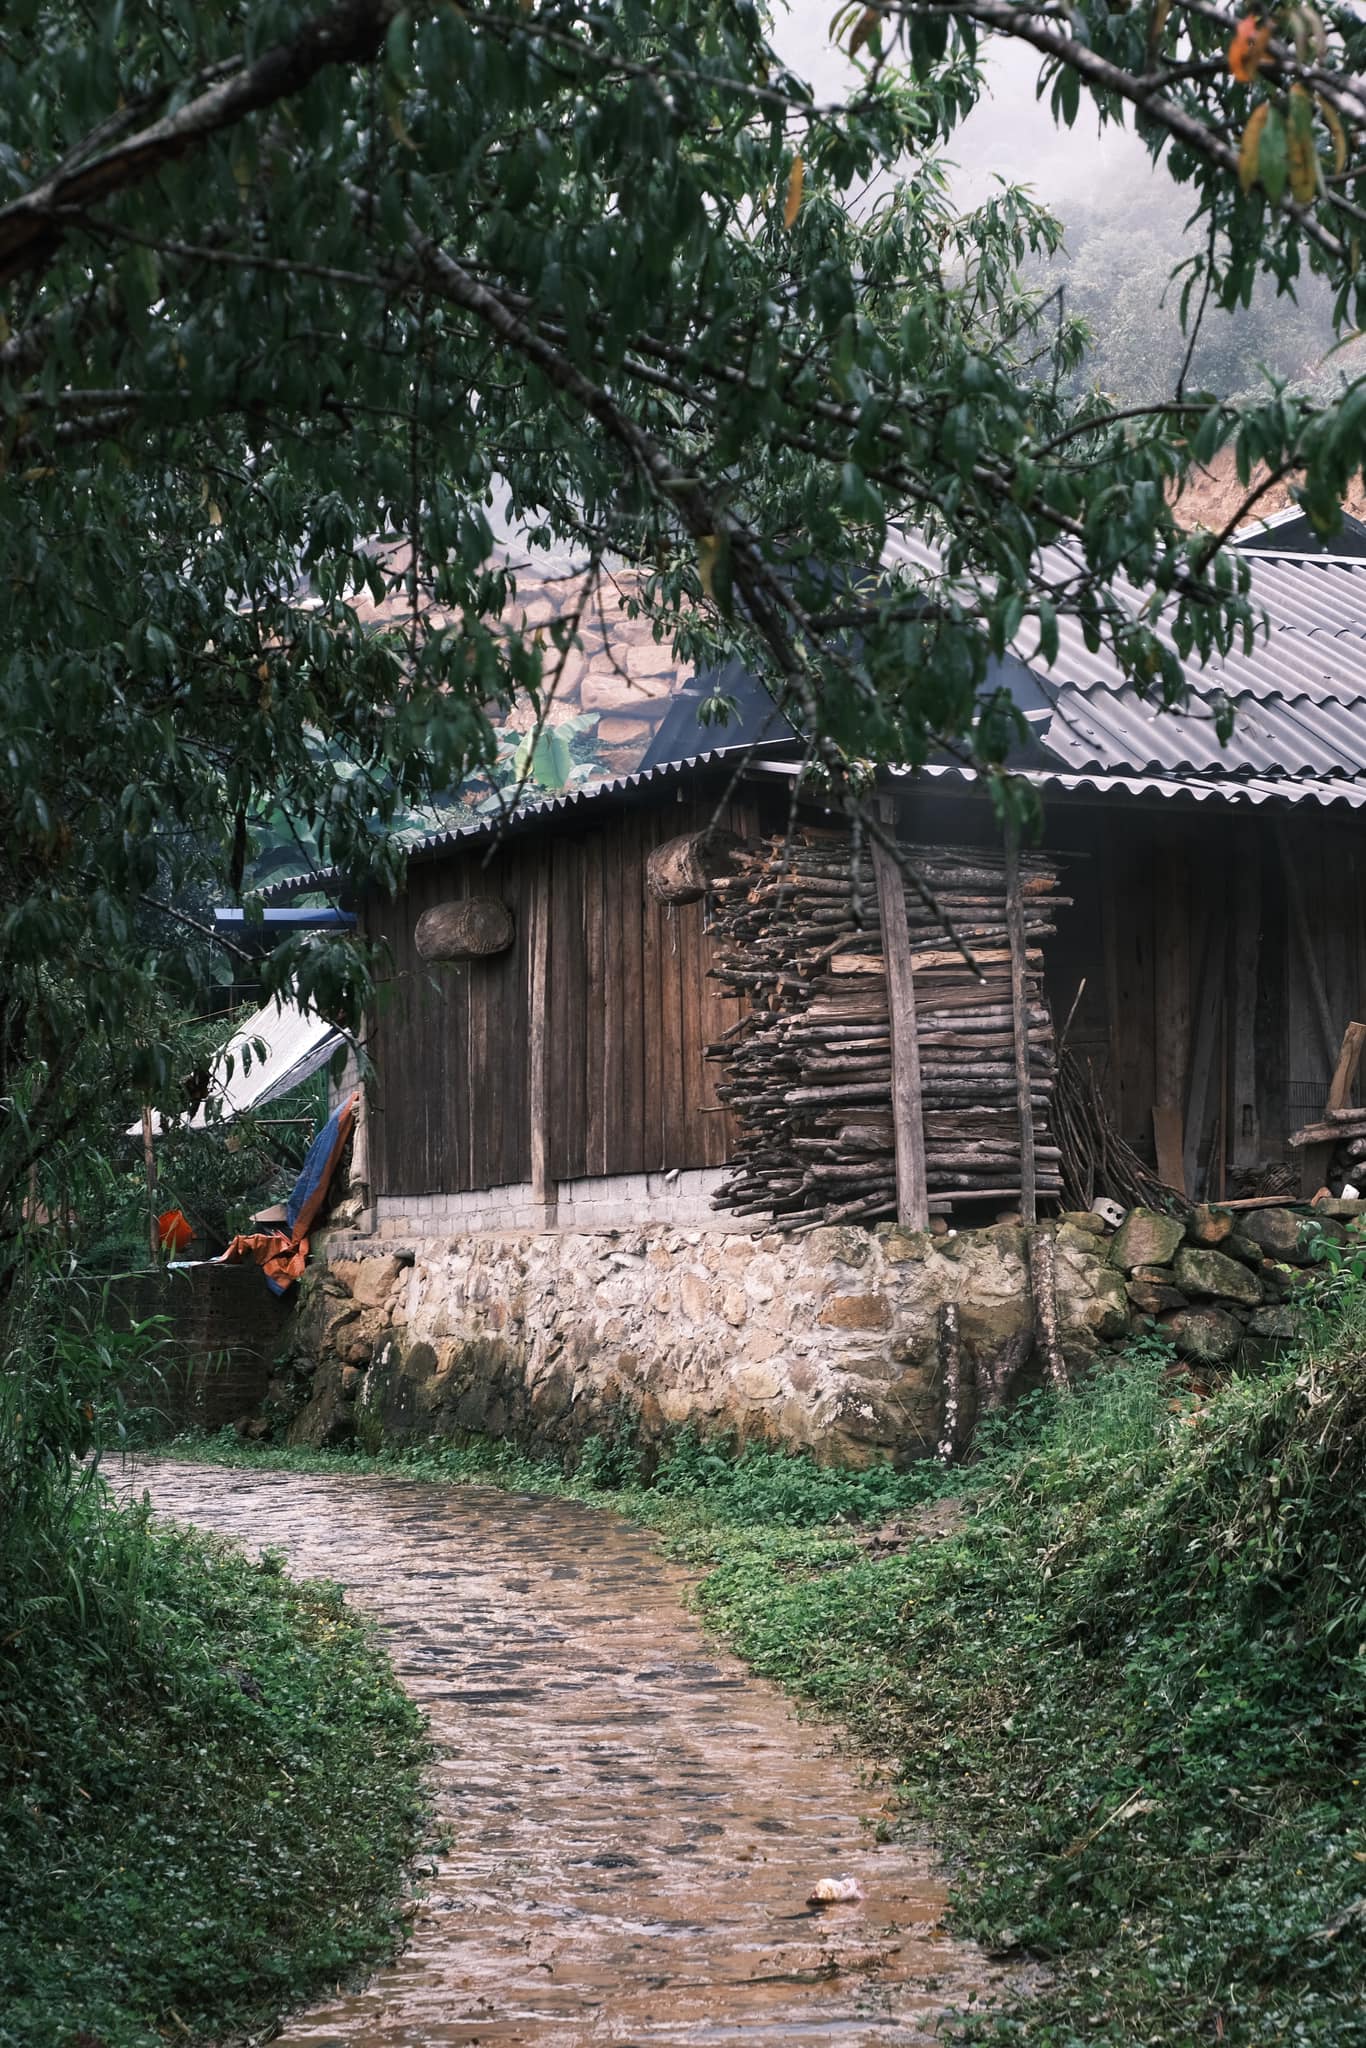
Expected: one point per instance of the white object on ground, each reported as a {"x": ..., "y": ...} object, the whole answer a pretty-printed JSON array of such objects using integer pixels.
[{"x": 835, "y": 1891}]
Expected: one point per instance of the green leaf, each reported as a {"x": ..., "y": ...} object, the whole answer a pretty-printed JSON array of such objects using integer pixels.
[
  {"x": 1048, "y": 632},
  {"x": 1273, "y": 167}
]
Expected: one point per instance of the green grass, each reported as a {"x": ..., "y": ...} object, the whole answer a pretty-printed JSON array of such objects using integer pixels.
[
  {"x": 209, "y": 1787},
  {"x": 1128, "y": 1695}
]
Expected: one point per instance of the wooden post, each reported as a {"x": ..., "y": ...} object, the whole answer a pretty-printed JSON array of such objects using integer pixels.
[
  {"x": 538, "y": 1039},
  {"x": 149, "y": 1168},
  {"x": 360, "y": 1144},
  {"x": 1206, "y": 1067},
  {"x": 1314, "y": 1159},
  {"x": 1043, "y": 1286},
  {"x": 1172, "y": 1012},
  {"x": 951, "y": 1373},
  {"x": 908, "y": 1122},
  {"x": 1219, "y": 1164},
  {"x": 1019, "y": 1007}
]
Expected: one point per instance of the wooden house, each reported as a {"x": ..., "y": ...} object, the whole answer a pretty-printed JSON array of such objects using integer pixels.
[{"x": 1207, "y": 951}]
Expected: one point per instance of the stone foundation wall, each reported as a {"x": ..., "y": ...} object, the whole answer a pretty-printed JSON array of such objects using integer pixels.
[{"x": 827, "y": 1341}]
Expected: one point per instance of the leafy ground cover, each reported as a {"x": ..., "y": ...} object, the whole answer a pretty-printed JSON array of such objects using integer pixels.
[
  {"x": 209, "y": 1776},
  {"x": 1127, "y": 1690}
]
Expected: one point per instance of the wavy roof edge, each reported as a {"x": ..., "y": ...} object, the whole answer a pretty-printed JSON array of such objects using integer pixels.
[
  {"x": 524, "y": 815},
  {"x": 1252, "y": 790}
]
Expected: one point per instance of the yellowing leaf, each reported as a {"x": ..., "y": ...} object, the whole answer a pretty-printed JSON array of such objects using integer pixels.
[
  {"x": 1157, "y": 22},
  {"x": 1248, "y": 48},
  {"x": 1250, "y": 149},
  {"x": 1332, "y": 121},
  {"x": 792, "y": 203},
  {"x": 708, "y": 555},
  {"x": 1301, "y": 155},
  {"x": 866, "y": 25}
]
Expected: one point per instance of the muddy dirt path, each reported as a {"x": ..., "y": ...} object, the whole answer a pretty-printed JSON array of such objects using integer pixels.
[{"x": 636, "y": 1822}]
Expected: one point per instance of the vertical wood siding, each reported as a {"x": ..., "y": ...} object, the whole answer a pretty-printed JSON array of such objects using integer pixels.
[
  {"x": 1155, "y": 887},
  {"x": 631, "y": 1009}
]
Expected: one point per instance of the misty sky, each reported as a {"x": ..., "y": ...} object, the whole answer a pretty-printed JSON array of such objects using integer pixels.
[{"x": 1011, "y": 134}]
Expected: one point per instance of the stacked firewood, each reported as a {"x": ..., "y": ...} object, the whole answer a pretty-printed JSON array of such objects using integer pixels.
[
  {"x": 1342, "y": 1137},
  {"x": 808, "y": 1067}
]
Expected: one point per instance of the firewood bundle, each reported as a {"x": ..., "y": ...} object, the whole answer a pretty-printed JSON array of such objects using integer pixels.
[
  {"x": 1342, "y": 1137},
  {"x": 808, "y": 1067}
]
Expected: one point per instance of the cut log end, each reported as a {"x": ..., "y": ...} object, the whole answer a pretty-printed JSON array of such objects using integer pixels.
[{"x": 683, "y": 870}]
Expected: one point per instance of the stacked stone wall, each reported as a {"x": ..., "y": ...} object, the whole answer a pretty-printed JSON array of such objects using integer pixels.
[{"x": 827, "y": 1341}]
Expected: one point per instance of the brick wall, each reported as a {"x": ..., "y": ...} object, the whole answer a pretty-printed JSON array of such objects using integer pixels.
[{"x": 614, "y": 1201}]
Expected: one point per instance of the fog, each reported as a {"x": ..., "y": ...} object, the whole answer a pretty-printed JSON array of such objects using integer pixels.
[
  {"x": 1011, "y": 134},
  {"x": 1125, "y": 223}
]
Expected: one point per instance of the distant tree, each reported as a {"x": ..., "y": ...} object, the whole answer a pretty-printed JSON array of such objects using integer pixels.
[
  {"x": 1120, "y": 272},
  {"x": 284, "y": 276}
]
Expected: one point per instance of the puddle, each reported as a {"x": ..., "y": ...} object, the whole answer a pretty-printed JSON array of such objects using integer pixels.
[{"x": 636, "y": 1823}]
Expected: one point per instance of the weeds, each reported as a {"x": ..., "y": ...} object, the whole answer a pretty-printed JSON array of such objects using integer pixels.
[
  {"x": 208, "y": 1775},
  {"x": 1130, "y": 1696}
]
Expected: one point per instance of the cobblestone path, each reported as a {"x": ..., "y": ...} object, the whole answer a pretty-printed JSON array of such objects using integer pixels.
[{"x": 635, "y": 1822}]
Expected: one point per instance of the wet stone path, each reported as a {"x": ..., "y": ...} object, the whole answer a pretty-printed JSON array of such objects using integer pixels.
[{"x": 635, "y": 1822}]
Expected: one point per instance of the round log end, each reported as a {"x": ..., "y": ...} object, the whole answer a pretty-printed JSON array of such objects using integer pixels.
[
  {"x": 683, "y": 870},
  {"x": 473, "y": 929}
]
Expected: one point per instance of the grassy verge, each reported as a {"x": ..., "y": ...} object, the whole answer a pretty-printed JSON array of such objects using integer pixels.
[
  {"x": 209, "y": 1787},
  {"x": 1128, "y": 1693}
]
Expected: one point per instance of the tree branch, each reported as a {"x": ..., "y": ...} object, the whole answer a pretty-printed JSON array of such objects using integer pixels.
[{"x": 31, "y": 228}]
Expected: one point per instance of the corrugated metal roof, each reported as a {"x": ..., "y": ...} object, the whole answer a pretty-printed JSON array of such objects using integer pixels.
[
  {"x": 1199, "y": 789},
  {"x": 531, "y": 811},
  {"x": 561, "y": 802},
  {"x": 1298, "y": 698},
  {"x": 1256, "y": 790}
]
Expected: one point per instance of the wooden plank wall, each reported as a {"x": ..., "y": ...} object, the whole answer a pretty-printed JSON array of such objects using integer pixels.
[
  {"x": 1183, "y": 936},
  {"x": 1177, "y": 917},
  {"x": 631, "y": 1008},
  {"x": 449, "y": 1037},
  {"x": 630, "y": 991},
  {"x": 1184, "y": 933}
]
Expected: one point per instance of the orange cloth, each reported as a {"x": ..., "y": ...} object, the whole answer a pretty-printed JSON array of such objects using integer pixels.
[{"x": 174, "y": 1230}]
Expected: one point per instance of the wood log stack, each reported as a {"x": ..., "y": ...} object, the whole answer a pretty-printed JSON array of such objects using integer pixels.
[
  {"x": 1342, "y": 1136},
  {"x": 808, "y": 1068}
]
